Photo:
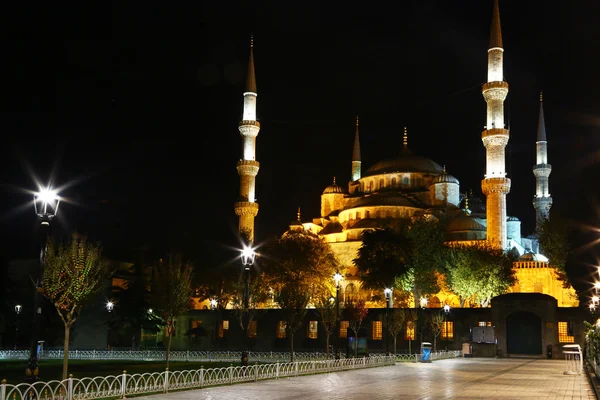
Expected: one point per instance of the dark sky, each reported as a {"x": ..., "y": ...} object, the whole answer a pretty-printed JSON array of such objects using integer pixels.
[{"x": 137, "y": 105}]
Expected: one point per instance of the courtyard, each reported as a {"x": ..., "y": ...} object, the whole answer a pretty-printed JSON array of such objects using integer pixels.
[{"x": 461, "y": 378}]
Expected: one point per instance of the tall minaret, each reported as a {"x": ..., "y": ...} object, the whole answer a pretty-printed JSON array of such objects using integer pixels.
[
  {"x": 495, "y": 184},
  {"x": 246, "y": 207},
  {"x": 356, "y": 156},
  {"x": 542, "y": 200}
]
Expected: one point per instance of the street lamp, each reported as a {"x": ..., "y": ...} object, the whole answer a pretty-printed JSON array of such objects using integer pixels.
[
  {"x": 109, "y": 306},
  {"x": 446, "y": 312},
  {"x": 18, "y": 309},
  {"x": 248, "y": 255},
  {"x": 213, "y": 304},
  {"x": 597, "y": 286},
  {"x": 337, "y": 277},
  {"x": 387, "y": 292},
  {"x": 423, "y": 302},
  {"x": 45, "y": 203}
]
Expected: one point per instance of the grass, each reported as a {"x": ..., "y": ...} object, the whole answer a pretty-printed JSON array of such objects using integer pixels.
[{"x": 14, "y": 370}]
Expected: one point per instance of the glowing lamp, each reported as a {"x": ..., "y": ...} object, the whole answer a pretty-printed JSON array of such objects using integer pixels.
[
  {"x": 248, "y": 256},
  {"x": 423, "y": 302},
  {"x": 446, "y": 308},
  {"x": 46, "y": 203},
  {"x": 387, "y": 293},
  {"x": 110, "y": 305},
  {"x": 213, "y": 304},
  {"x": 337, "y": 277},
  {"x": 18, "y": 308}
]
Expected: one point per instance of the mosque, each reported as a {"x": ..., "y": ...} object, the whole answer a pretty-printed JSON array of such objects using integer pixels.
[{"x": 411, "y": 185}]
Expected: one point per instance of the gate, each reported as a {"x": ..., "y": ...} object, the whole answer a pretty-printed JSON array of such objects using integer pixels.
[{"x": 523, "y": 333}]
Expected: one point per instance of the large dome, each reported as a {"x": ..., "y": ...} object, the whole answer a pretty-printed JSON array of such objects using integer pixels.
[{"x": 405, "y": 162}]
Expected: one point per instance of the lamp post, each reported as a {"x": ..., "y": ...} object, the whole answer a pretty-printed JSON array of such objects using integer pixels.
[
  {"x": 18, "y": 309},
  {"x": 248, "y": 256},
  {"x": 45, "y": 204},
  {"x": 110, "y": 306},
  {"x": 446, "y": 312},
  {"x": 337, "y": 277},
  {"x": 387, "y": 292}
]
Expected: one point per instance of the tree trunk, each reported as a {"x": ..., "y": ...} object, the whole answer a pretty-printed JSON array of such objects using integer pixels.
[
  {"x": 66, "y": 352},
  {"x": 356, "y": 343},
  {"x": 327, "y": 344},
  {"x": 434, "y": 344},
  {"x": 395, "y": 337},
  {"x": 462, "y": 302},
  {"x": 169, "y": 348},
  {"x": 291, "y": 347},
  {"x": 409, "y": 349}
]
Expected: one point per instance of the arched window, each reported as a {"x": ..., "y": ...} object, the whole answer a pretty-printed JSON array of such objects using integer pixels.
[
  {"x": 370, "y": 186},
  {"x": 388, "y": 214},
  {"x": 434, "y": 302},
  {"x": 358, "y": 215},
  {"x": 405, "y": 181},
  {"x": 394, "y": 182},
  {"x": 350, "y": 292},
  {"x": 380, "y": 183},
  {"x": 367, "y": 214}
]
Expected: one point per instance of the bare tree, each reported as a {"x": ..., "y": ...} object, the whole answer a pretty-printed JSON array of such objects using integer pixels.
[
  {"x": 74, "y": 275},
  {"x": 326, "y": 309},
  {"x": 395, "y": 325},
  {"x": 357, "y": 312},
  {"x": 170, "y": 292},
  {"x": 436, "y": 322}
]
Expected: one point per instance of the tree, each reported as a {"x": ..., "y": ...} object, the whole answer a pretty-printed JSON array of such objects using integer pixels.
[
  {"x": 298, "y": 268},
  {"x": 326, "y": 308},
  {"x": 436, "y": 322},
  {"x": 258, "y": 293},
  {"x": 411, "y": 325},
  {"x": 74, "y": 274},
  {"x": 170, "y": 292},
  {"x": 383, "y": 257},
  {"x": 357, "y": 312},
  {"x": 395, "y": 324},
  {"x": 553, "y": 236},
  {"x": 479, "y": 272}
]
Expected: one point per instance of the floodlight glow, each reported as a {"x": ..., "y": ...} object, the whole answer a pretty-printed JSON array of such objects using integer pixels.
[
  {"x": 446, "y": 308},
  {"x": 423, "y": 302},
  {"x": 595, "y": 300},
  {"x": 18, "y": 308},
  {"x": 337, "y": 277},
  {"x": 213, "y": 303},
  {"x": 109, "y": 306},
  {"x": 49, "y": 201},
  {"x": 387, "y": 292},
  {"x": 248, "y": 255}
]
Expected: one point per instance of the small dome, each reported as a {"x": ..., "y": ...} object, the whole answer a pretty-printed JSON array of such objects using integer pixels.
[
  {"x": 533, "y": 257},
  {"x": 465, "y": 222},
  {"x": 333, "y": 188},
  {"x": 515, "y": 219},
  {"x": 444, "y": 177}
]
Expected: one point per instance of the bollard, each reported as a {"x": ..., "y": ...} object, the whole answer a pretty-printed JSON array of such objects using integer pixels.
[{"x": 123, "y": 384}]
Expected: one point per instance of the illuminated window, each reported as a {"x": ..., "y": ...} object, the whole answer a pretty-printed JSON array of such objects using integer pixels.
[
  {"x": 223, "y": 326},
  {"x": 358, "y": 215},
  {"x": 388, "y": 214},
  {"x": 447, "y": 330},
  {"x": 367, "y": 214},
  {"x": 252, "y": 329},
  {"x": 410, "y": 332},
  {"x": 344, "y": 329},
  {"x": 381, "y": 183},
  {"x": 376, "y": 330},
  {"x": 565, "y": 332},
  {"x": 405, "y": 181},
  {"x": 370, "y": 186},
  {"x": 393, "y": 182},
  {"x": 280, "y": 333},
  {"x": 485, "y": 323},
  {"x": 312, "y": 329}
]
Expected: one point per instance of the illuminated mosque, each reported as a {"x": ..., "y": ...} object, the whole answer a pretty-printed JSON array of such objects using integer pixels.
[{"x": 411, "y": 185}]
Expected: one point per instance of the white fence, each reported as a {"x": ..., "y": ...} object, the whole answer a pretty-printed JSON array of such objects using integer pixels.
[
  {"x": 202, "y": 356},
  {"x": 123, "y": 385}
]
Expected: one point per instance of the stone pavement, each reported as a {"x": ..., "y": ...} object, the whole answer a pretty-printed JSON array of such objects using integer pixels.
[{"x": 461, "y": 378}]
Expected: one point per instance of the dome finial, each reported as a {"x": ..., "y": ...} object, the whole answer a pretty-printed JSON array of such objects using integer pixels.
[
  {"x": 444, "y": 169},
  {"x": 540, "y": 97},
  {"x": 405, "y": 138},
  {"x": 357, "y": 121},
  {"x": 334, "y": 180},
  {"x": 467, "y": 205},
  {"x": 251, "y": 41},
  {"x": 299, "y": 219}
]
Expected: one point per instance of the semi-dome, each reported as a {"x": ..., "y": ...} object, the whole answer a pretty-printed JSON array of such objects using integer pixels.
[
  {"x": 465, "y": 222},
  {"x": 333, "y": 188},
  {"x": 405, "y": 162},
  {"x": 384, "y": 199}
]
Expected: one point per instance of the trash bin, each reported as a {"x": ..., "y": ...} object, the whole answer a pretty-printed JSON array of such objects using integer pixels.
[
  {"x": 573, "y": 359},
  {"x": 425, "y": 352},
  {"x": 549, "y": 351},
  {"x": 466, "y": 350}
]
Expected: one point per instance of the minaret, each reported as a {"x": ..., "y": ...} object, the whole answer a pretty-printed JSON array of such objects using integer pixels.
[
  {"x": 356, "y": 156},
  {"x": 542, "y": 200},
  {"x": 495, "y": 185},
  {"x": 246, "y": 207}
]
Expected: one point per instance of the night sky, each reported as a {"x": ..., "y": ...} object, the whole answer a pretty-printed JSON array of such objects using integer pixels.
[{"x": 136, "y": 108}]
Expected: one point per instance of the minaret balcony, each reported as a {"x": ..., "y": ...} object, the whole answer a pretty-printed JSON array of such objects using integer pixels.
[
  {"x": 247, "y": 122},
  {"x": 495, "y": 185},
  {"x": 248, "y": 167},
  {"x": 245, "y": 208},
  {"x": 495, "y": 85}
]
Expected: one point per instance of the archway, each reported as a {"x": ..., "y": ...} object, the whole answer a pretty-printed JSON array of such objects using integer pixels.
[{"x": 523, "y": 333}]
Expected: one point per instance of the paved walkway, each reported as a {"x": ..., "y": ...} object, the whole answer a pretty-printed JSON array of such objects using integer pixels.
[{"x": 461, "y": 378}]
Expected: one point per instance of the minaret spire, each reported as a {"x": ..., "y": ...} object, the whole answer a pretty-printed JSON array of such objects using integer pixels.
[
  {"x": 246, "y": 207},
  {"x": 495, "y": 185},
  {"x": 542, "y": 200},
  {"x": 405, "y": 139},
  {"x": 299, "y": 215},
  {"x": 356, "y": 162}
]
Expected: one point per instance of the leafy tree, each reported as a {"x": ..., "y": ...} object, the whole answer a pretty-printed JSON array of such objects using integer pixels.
[
  {"x": 395, "y": 324},
  {"x": 298, "y": 268},
  {"x": 357, "y": 312},
  {"x": 74, "y": 274},
  {"x": 436, "y": 322},
  {"x": 327, "y": 310},
  {"x": 427, "y": 254},
  {"x": 383, "y": 257},
  {"x": 479, "y": 272},
  {"x": 553, "y": 236},
  {"x": 132, "y": 303},
  {"x": 170, "y": 292},
  {"x": 257, "y": 294}
]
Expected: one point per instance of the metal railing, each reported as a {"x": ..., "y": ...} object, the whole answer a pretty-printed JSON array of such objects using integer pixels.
[{"x": 123, "y": 385}]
